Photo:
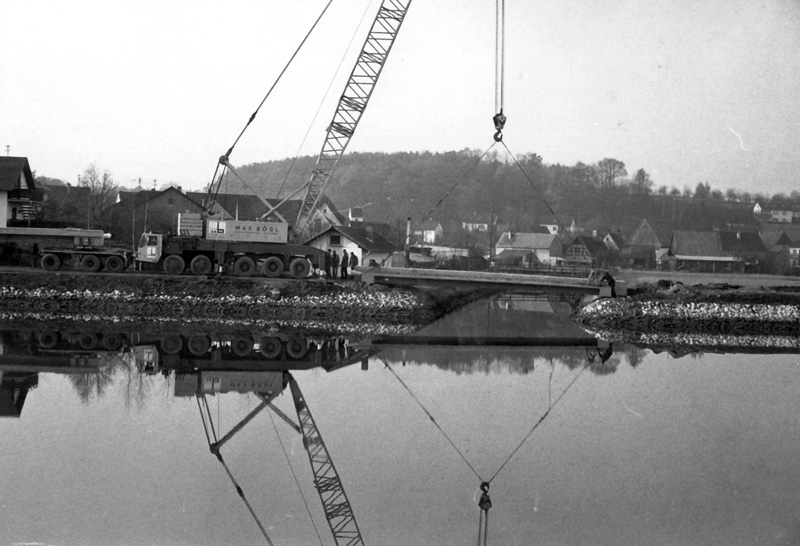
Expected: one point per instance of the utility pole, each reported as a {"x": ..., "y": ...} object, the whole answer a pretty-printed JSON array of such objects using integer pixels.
[{"x": 8, "y": 150}]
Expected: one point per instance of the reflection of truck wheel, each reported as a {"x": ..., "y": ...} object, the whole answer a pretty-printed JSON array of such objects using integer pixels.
[
  {"x": 270, "y": 347},
  {"x": 199, "y": 345},
  {"x": 112, "y": 342},
  {"x": 88, "y": 341},
  {"x": 200, "y": 265},
  {"x": 91, "y": 263},
  {"x": 115, "y": 264},
  {"x": 297, "y": 347},
  {"x": 174, "y": 265},
  {"x": 273, "y": 267},
  {"x": 48, "y": 339},
  {"x": 242, "y": 346},
  {"x": 171, "y": 344},
  {"x": 300, "y": 268},
  {"x": 51, "y": 262},
  {"x": 244, "y": 267}
]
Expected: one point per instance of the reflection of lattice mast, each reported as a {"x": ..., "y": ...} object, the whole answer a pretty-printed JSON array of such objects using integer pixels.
[
  {"x": 331, "y": 491},
  {"x": 352, "y": 103}
]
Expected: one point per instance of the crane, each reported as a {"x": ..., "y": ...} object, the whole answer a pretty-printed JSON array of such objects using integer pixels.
[
  {"x": 351, "y": 106},
  {"x": 335, "y": 504}
]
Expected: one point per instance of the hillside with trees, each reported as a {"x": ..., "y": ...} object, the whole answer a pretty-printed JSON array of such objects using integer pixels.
[{"x": 453, "y": 187}]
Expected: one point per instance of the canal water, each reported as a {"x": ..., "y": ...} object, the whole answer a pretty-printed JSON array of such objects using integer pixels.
[{"x": 103, "y": 441}]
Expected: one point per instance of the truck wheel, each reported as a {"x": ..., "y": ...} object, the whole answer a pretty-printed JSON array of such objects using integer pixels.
[
  {"x": 115, "y": 264},
  {"x": 200, "y": 265},
  {"x": 174, "y": 265},
  {"x": 88, "y": 341},
  {"x": 112, "y": 342},
  {"x": 48, "y": 339},
  {"x": 242, "y": 346},
  {"x": 51, "y": 262},
  {"x": 297, "y": 347},
  {"x": 270, "y": 347},
  {"x": 171, "y": 344},
  {"x": 244, "y": 267},
  {"x": 199, "y": 345},
  {"x": 273, "y": 267},
  {"x": 300, "y": 268},
  {"x": 91, "y": 263}
]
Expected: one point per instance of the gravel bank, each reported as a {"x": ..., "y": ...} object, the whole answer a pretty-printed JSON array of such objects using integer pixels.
[
  {"x": 702, "y": 317},
  {"x": 178, "y": 302}
]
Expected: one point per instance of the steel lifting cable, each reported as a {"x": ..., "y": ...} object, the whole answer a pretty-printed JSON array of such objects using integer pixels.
[
  {"x": 485, "y": 501},
  {"x": 321, "y": 102},
  {"x": 215, "y": 450},
  {"x": 499, "y": 118},
  {"x": 296, "y": 481},
  {"x": 459, "y": 180},
  {"x": 224, "y": 159},
  {"x": 532, "y": 183}
]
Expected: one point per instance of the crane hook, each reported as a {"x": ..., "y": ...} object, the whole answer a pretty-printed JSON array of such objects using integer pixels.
[{"x": 499, "y": 122}]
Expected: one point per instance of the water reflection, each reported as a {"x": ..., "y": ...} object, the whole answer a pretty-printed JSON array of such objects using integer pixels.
[{"x": 585, "y": 449}]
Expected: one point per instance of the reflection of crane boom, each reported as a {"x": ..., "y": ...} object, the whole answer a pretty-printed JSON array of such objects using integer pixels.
[
  {"x": 352, "y": 103},
  {"x": 335, "y": 504},
  {"x": 337, "y": 507}
]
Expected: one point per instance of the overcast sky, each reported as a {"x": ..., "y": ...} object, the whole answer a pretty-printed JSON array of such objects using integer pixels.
[{"x": 703, "y": 90}]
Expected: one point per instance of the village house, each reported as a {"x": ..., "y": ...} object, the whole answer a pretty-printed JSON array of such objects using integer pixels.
[
  {"x": 716, "y": 251},
  {"x": 584, "y": 250},
  {"x": 19, "y": 198},
  {"x": 528, "y": 249},
  {"x": 430, "y": 231},
  {"x": 370, "y": 247}
]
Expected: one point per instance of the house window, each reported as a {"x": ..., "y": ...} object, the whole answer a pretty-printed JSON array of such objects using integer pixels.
[
  {"x": 170, "y": 201},
  {"x": 336, "y": 240}
]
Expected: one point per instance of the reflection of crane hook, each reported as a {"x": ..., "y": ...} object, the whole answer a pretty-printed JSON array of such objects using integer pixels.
[{"x": 485, "y": 502}]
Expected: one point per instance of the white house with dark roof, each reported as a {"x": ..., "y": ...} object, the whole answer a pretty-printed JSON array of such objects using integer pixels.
[
  {"x": 17, "y": 190},
  {"x": 529, "y": 248},
  {"x": 369, "y": 246}
]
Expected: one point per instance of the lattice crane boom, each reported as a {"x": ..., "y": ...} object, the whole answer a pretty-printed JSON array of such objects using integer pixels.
[
  {"x": 335, "y": 503},
  {"x": 352, "y": 104}
]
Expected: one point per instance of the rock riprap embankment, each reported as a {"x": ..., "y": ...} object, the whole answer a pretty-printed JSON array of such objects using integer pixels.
[
  {"x": 737, "y": 319},
  {"x": 177, "y": 300}
]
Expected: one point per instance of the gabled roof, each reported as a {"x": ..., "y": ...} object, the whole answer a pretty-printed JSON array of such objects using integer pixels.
[
  {"x": 527, "y": 240},
  {"x": 11, "y": 168},
  {"x": 364, "y": 237},
  {"x": 592, "y": 244},
  {"x": 249, "y": 207},
  {"x": 511, "y": 254},
  {"x": 741, "y": 241},
  {"x": 776, "y": 239},
  {"x": 697, "y": 243},
  {"x": 139, "y": 198},
  {"x": 662, "y": 232},
  {"x": 429, "y": 225}
]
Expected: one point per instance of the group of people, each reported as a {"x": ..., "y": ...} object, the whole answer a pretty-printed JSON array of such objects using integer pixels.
[{"x": 336, "y": 266}]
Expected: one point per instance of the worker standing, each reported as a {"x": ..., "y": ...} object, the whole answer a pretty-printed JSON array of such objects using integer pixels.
[
  {"x": 328, "y": 264},
  {"x": 353, "y": 261},
  {"x": 345, "y": 261},
  {"x": 334, "y": 264}
]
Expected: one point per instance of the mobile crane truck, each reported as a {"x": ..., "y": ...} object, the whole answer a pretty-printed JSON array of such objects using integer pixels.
[{"x": 208, "y": 245}]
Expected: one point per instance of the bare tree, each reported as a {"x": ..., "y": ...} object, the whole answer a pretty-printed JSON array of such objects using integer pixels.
[
  {"x": 642, "y": 185},
  {"x": 102, "y": 192},
  {"x": 608, "y": 171}
]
